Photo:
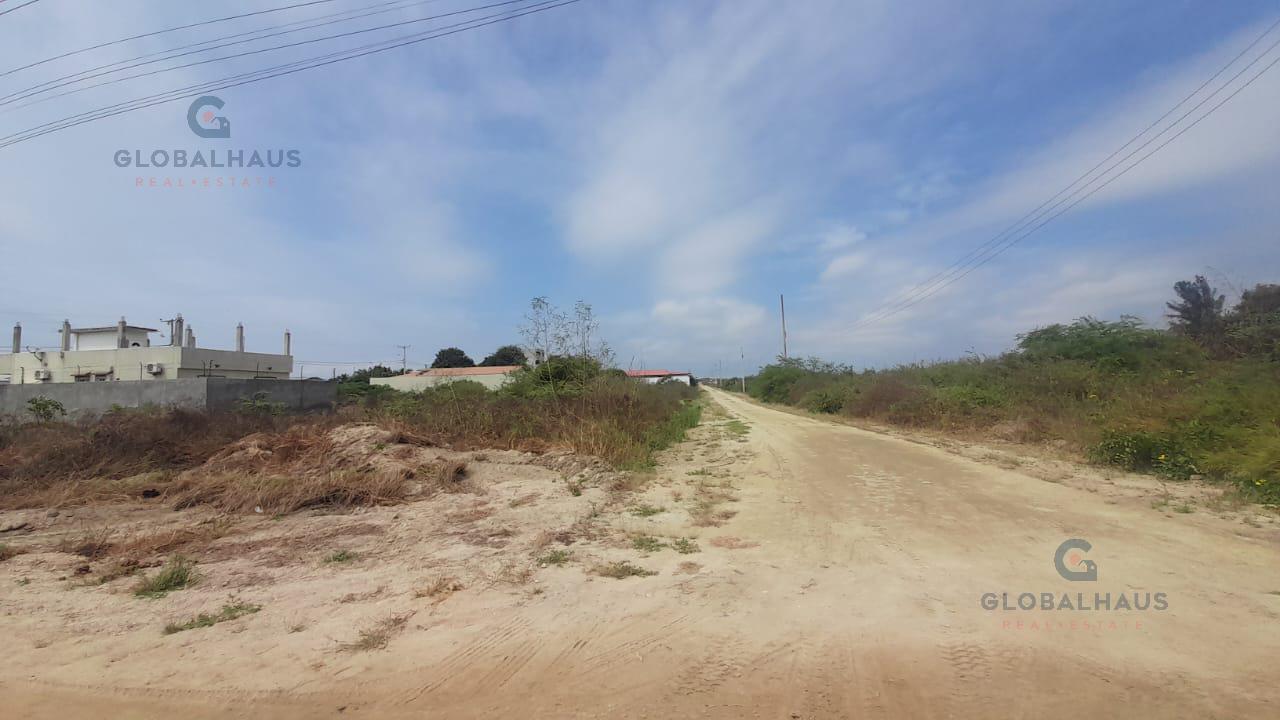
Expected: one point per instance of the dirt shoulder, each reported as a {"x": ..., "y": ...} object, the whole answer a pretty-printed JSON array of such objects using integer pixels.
[{"x": 773, "y": 566}]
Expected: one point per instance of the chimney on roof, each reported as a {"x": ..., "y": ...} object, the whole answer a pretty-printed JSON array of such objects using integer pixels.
[
  {"x": 176, "y": 338},
  {"x": 17, "y": 338},
  {"x": 240, "y": 337},
  {"x": 191, "y": 336},
  {"x": 121, "y": 340},
  {"x": 66, "y": 336},
  {"x": 288, "y": 342}
]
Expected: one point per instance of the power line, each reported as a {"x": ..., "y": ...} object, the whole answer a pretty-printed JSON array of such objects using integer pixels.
[
  {"x": 157, "y": 32},
  {"x": 23, "y": 94},
  {"x": 1001, "y": 241},
  {"x": 1086, "y": 196},
  {"x": 375, "y": 9},
  {"x": 277, "y": 71},
  {"x": 19, "y": 7},
  {"x": 906, "y": 295}
]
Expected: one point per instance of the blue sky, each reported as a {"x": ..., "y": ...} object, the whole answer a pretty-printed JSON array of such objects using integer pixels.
[{"x": 677, "y": 164}]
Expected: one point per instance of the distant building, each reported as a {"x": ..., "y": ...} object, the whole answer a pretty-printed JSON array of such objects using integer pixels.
[
  {"x": 124, "y": 352},
  {"x": 491, "y": 377},
  {"x": 657, "y": 376}
]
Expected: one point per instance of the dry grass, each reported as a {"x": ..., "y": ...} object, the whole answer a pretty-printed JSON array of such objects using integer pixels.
[
  {"x": 439, "y": 588},
  {"x": 361, "y": 597},
  {"x": 120, "y": 456},
  {"x": 279, "y": 464},
  {"x": 377, "y": 636},
  {"x": 732, "y": 543},
  {"x": 278, "y": 494},
  {"x": 622, "y": 570},
  {"x": 453, "y": 476}
]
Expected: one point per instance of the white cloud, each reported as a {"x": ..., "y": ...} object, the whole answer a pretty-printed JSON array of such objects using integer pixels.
[
  {"x": 844, "y": 266},
  {"x": 841, "y": 237}
]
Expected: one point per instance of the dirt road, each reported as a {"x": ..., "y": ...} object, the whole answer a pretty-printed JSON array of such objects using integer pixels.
[{"x": 850, "y": 583}]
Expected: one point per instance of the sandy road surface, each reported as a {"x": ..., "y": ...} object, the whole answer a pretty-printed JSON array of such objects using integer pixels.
[{"x": 848, "y": 584}]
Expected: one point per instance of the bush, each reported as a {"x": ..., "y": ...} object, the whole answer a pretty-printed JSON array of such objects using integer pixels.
[
  {"x": 557, "y": 376},
  {"x": 45, "y": 409},
  {"x": 775, "y": 383},
  {"x": 1122, "y": 345},
  {"x": 823, "y": 400}
]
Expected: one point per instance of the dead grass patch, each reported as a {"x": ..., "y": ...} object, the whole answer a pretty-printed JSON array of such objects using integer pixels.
[
  {"x": 440, "y": 587},
  {"x": 622, "y": 570},
  {"x": 361, "y": 597},
  {"x": 378, "y": 635},
  {"x": 730, "y": 542},
  {"x": 475, "y": 513},
  {"x": 239, "y": 491}
]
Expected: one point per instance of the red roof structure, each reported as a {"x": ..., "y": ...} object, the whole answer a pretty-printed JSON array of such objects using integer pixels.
[{"x": 653, "y": 373}]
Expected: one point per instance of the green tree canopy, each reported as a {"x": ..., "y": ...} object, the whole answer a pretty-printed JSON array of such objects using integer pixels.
[
  {"x": 363, "y": 374},
  {"x": 505, "y": 355},
  {"x": 1198, "y": 311},
  {"x": 452, "y": 357}
]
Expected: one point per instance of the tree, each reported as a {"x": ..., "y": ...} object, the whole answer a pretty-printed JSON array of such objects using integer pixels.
[
  {"x": 1253, "y": 325},
  {"x": 1198, "y": 311},
  {"x": 549, "y": 332},
  {"x": 544, "y": 329},
  {"x": 505, "y": 355},
  {"x": 363, "y": 374},
  {"x": 452, "y": 357}
]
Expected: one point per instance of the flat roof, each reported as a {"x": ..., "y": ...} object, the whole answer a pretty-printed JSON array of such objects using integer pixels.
[
  {"x": 655, "y": 373},
  {"x": 463, "y": 371},
  {"x": 110, "y": 328}
]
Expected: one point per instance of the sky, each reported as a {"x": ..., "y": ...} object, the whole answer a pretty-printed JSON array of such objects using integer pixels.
[{"x": 677, "y": 164}]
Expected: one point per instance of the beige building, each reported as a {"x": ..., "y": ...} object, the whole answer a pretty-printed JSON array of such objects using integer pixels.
[
  {"x": 490, "y": 377},
  {"x": 124, "y": 352}
]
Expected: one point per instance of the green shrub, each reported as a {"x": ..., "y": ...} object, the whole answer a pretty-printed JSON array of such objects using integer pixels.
[
  {"x": 823, "y": 400},
  {"x": 45, "y": 409},
  {"x": 176, "y": 574},
  {"x": 1121, "y": 345},
  {"x": 230, "y": 611},
  {"x": 258, "y": 404},
  {"x": 1168, "y": 454}
]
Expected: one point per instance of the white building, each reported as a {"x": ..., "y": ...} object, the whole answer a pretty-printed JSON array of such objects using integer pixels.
[
  {"x": 124, "y": 352},
  {"x": 653, "y": 377},
  {"x": 491, "y": 377}
]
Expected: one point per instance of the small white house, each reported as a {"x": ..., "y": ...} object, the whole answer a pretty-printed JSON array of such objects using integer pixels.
[{"x": 653, "y": 377}]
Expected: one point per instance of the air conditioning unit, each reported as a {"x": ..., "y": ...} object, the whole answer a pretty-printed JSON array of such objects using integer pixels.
[
  {"x": 42, "y": 375},
  {"x": 155, "y": 368}
]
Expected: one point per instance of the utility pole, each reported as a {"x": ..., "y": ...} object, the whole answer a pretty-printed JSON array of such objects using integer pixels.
[
  {"x": 743, "y": 356},
  {"x": 404, "y": 357},
  {"x": 782, "y": 303}
]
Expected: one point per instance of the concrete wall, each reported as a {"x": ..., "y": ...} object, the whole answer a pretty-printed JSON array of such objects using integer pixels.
[
  {"x": 107, "y": 339},
  {"x": 414, "y": 383},
  {"x": 231, "y": 364},
  {"x": 214, "y": 394}
]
